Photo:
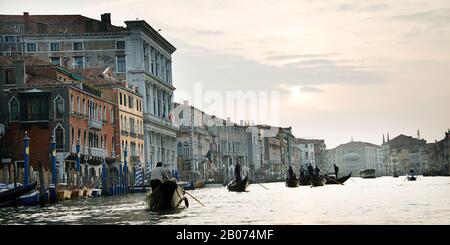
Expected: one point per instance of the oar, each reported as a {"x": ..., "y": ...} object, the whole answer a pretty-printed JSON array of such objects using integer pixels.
[
  {"x": 353, "y": 180},
  {"x": 194, "y": 198},
  {"x": 263, "y": 186},
  {"x": 336, "y": 181}
]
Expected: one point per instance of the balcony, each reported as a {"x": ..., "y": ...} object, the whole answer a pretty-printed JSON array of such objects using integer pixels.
[
  {"x": 140, "y": 136},
  {"x": 124, "y": 132},
  {"x": 133, "y": 134},
  {"x": 150, "y": 118},
  {"x": 97, "y": 152},
  {"x": 95, "y": 124},
  {"x": 83, "y": 150}
]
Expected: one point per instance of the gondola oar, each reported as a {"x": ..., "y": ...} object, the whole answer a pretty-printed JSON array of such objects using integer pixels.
[
  {"x": 262, "y": 186},
  {"x": 353, "y": 180},
  {"x": 336, "y": 181},
  {"x": 194, "y": 198}
]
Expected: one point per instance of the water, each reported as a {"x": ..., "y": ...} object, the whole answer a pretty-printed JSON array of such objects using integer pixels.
[{"x": 383, "y": 200}]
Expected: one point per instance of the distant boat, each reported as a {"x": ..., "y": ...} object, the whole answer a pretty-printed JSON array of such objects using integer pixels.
[
  {"x": 332, "y": 179},
  {"x": 395, "y": 175},
  {"x": 238, "y": 186},
  {"x": 367, "y": 173},
  {"x": 96, "y": 192},
  {"x": 292, "y": 182},
  {"x": 411, "y": 177},
  {"x": 199, "y": 184},
  {"x": 186, "y": 185}
]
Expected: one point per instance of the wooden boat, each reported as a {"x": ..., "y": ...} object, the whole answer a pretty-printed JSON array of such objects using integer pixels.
[
  {"x": 367, "y": 173},
  {"x": 96, "y": 192},
  {"x": 77, "y": 193},
  {"x": 87, "y": 192},
  {"x": 331, "y": 180},
  {"x": 167, "y": 196},
  {"x": 63, "y": 194},
  {"x": 14, "y": 193},
  {"x": 238, "y": 186},
  {"x": 199, "y": 184},
  {"x": 318, "y": 181},
  {"x": 187, "y": 185},
  {"x": 292, "y": 182},
  {"x": 411, "y": 177}
]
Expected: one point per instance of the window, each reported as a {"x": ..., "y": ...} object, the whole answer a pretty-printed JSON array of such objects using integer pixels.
[
  {"x": 31, "y": 47},
  {"x": 71, "y": 102},
  {"x": 79, "y": 62},
  {"x": 84, "y": 106},
  {"x": 59, "y": 137},
  {"x": 78, "y": 104},
  {"x": 120, "y": 98},
  {"x": 9, "y": 39},
  {"x": 54, "y": 46},
  {"x": 179, "y": 149},
  {"x": 121, "y": 63},
  {"x": 59, "y": 107},
  {"x": 55, "y": 61},
  {"x": 186, "y": 148},
  {"x": 130, "y": 102},
  {"x": 77, "y": 46},
  {"x": 120, "y": 45},
  {"x": 34, "y": 107},
  {"x": 13, "y": 109},
  {"x": 73, "y": 135},
  {"x": 10, "y": 76},
  {"x": 124, "y": 99}
]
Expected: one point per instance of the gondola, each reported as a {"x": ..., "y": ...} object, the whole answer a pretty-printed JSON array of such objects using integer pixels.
[
  {"x": 292, "y": 182},
  {"x": 14, "y": 193},
  {"x": 304, "y": 180},
  {"x": 239, "y": 186},
  {"x": 318, "y": 181},
  {"x": 395, "y": 175},
  {"x": 167, "y": 196},
  {"x": 331, "y": 180},
  {"x": 411, "y": 177}
]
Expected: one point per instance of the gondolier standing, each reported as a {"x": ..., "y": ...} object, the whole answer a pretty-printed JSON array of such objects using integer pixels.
[
  {"x": 237, "y": 172},
  {"x": 336, "y": 170},
  {"x": 291, "y": 172},
  {"x": 157, "y": 175}
]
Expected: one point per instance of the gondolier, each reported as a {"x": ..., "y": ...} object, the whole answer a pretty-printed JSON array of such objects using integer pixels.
[
  {"x": 336, "y": 171},
  {"x": 237, "y": 172},
  {"x": 157, "y": 175},
  {"x": 291, "y": 172}
]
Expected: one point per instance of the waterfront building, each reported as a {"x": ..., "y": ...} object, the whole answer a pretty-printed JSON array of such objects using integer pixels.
[
  {"x": 45, "y": 100},
  {"x": 127, "y": 117},
  {"x": 355, "y": 156},
  {"x": 437, "y": 157},
  {"x": 403, "y": 153},
  {"x": 136, "y": 53},
  {"x": 307, "y": 152}
]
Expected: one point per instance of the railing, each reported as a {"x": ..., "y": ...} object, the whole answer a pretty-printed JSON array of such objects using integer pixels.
[
  {"x": 95, "y": 124},
  {"x": 83, "y": 149},
  {"x": 97, "y": 152},
  {"x": 124, "y": 132},
  {"x": 148, "y": 117}
]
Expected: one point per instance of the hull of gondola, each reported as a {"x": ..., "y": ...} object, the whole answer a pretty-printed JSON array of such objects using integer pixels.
[
  {"x": 318, "y": 181},
  {"x": 333, "y": 181},
  {"x": 411, "y": 178},
  {"x": 293, "y": 182},
  {"x": 14, "y": 193},
  {"x": 167, "y": 196},
  {"x": 238, "y": 186},
  {"x": 304, "y": 181}
]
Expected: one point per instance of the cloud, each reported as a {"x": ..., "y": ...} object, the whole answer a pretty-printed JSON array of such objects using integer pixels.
[
  {"x": 374, "y": 8},
  {"x": 345, "y": 7},
  {"x": 436, "y": 16},
  {"x": 298, "y": 56},
  {"x": 309, "y": 89}
]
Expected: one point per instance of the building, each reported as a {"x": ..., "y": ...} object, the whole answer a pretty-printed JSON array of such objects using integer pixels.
[
  {"x": 46, "y": 100},
  {"x": 437, "y": 157},
  {"x": 355, "y": 156},
  {"x": 307, "y": 152},
  {"x": 403, "y": 153},
  {"x": 136, "y": 53}
]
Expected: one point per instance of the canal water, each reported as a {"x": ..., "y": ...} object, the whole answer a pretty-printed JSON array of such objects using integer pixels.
[{"x": 384, "y": 200}]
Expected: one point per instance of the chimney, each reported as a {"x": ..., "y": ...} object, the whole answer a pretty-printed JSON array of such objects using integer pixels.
[
  {"x": 106, "y": 20},
  {"x": 26, "y": 20},
  {"x": 20, "y": 72}
]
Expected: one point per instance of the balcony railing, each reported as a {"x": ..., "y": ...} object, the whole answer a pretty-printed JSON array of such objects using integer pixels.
[
  {"x": 96, "y": 124},
  {"x": 83, "y": 149},
  {"x": 97, "y": 152},
  {"x": 148, "y": 117},
  {"x": 124, "y": 132}
]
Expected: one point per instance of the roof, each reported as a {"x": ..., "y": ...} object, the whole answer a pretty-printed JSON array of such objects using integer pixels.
[
  {"x": 356, "y": 144},
  {"x": 55, "y": 24},
  {"x": 30, "y": 60},
  {"x": 404, "y": 141}
]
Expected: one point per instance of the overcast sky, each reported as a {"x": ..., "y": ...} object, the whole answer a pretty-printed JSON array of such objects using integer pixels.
[{"x": 342, "y": 68}]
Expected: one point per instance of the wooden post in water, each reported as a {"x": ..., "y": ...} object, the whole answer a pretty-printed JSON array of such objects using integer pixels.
[{"x": 41, "y": 185}]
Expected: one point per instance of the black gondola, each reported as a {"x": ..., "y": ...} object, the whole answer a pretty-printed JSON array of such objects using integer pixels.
[
  {"x": 304, "y": 180},
  {"x": 411, "y": 177},
  {"x": 238, "y": 186},
  {"x": 292, "y": 182},
  {"x": 395, "y": 175},
  {"x": 167, "y": 196},
  {"x": 331, "y": 180},
  {"x": 318, "y": 181},
  {"x": 14, "y": 193}
]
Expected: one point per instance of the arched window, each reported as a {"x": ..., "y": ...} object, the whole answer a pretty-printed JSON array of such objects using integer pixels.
[
  {"x": 71, "y": 102},
  {"x": 84, "y": 106},
  {"x": 104, "y": 113},
  {"x": 179, "y": 149},
  {"x": 186, "y": 148},
  {"x": 84, "y": 138},
  {"x": 79, "y": 135},
  {"x": 78, "y": 104},
  {"x": 73, "y": 136},
  {"x": 59, "y": 107},
  {"x": 59, "y": 136},
  {"x": 13, "y": 109}
]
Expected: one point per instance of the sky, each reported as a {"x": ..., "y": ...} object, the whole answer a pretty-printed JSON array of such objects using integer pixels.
[{"x": 336, "y": 69}]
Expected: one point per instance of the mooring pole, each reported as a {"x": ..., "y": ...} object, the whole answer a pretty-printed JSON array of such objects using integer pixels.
[{"x": 26, "y": 158}]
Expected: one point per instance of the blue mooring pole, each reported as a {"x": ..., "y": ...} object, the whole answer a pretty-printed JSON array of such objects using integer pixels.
[
  {"x": 26, "y": 158},
  {"x": 104, "y": 178},
  {"x": 120, "y": 178},
  {"x": 53, "y": 158},
  {"x": 125, "y": 171}
]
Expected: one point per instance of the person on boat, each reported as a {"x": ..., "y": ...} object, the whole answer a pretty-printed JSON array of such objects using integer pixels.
[
  {"x": 316, "y": 171},
  {"x": 291, "y": 172},
  {"x": 310, "y": 170},
  {"x": 302, "y": 172},
  {"x": 157, "y": 175},
  {"x": 336, "y": 170},
  {"x": 237, "y": 172}
]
